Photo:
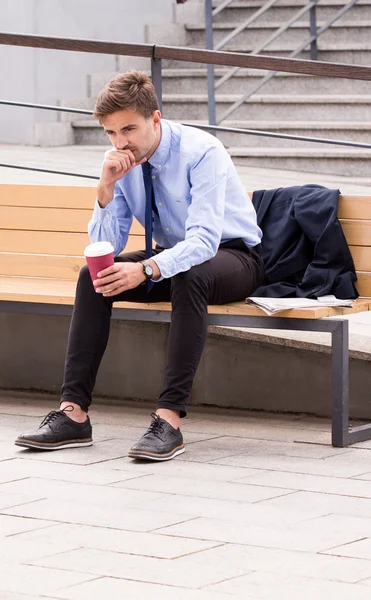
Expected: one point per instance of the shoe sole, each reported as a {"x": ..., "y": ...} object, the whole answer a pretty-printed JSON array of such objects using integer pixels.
[
  {"x": 57, "y": 446},
  {"x": 156, "y": 457}
]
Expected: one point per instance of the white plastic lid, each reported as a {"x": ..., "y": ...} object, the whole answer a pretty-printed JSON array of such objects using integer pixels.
[{"x": 98, "y": 249}]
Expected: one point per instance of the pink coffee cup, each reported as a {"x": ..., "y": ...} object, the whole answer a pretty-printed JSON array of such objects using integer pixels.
[{"x": 99, "y": 256}]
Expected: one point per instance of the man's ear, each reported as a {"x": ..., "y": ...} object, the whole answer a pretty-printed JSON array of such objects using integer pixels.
[{"x": 156, "y": 118}]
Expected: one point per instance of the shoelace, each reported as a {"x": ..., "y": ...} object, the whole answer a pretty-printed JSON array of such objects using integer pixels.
[
  {"x": 156, "y": 427},
  {"x": 53, "y": 415}
]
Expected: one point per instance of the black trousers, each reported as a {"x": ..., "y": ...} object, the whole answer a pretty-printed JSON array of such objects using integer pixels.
[{"x": 234, "y": 273}]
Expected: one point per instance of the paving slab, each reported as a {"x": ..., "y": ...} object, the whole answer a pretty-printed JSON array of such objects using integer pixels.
[
  {"x": 312, "y": 483},
  {"x": 202, "y": 489},
  {"x": 233, "y": 511},
  {"x": 299, "y": 537},
  {"x": 301, "y": 465},
  {"x": 286, "y": 563},
  {"x": 140, "y": 568},
  {"x": 262, "y": 586},
  {"x": 108, "y": 587},
  {"x": 67, "y": 511},
  {"x": 26, "y": 579},
  {"x": 113, "y": 540},
  {"x": 323, "y": 503}
]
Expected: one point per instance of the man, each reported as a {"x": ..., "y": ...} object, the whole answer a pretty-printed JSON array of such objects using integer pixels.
[{"x": 207, "y": 252}]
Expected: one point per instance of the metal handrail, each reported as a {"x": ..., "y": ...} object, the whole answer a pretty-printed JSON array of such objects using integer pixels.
[
  {"x": 196, "y": 55},
  {"x": 37, "y": 170},
  {"x": 80, "y": 111},
  {"x": 295, "y": 52}
]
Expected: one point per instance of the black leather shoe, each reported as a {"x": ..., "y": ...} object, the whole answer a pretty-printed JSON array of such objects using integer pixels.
[
  {"x": 57, "y": 431},
  {"x": 160, "y": 442}
]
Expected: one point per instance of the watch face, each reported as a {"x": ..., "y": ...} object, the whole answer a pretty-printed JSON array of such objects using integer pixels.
[{"x": 148, "y": 270}]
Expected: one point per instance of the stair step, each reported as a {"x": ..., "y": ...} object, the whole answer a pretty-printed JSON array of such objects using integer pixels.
[
  {"x": 344, "y": 161},
  {"x": 266, "y": 107},
  {"x": 182, "y": 81},
  {"x": 258, "y": 33},
  {"x": 320, "y": 99},
  {"x": 305, "y": 152},
  {"x": 303, "y": 24}
]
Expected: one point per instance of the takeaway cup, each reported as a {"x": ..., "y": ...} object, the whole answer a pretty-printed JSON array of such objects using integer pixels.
[{"x": 99, "y": 256}]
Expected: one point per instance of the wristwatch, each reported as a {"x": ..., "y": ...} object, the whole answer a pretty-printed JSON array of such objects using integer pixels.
[{"x": 147, "y": 269}]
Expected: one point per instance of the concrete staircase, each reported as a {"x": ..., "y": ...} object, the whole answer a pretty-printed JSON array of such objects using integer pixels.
[{"x": 289, "y": 103}]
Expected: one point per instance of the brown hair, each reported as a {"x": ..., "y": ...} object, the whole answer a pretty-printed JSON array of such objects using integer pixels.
[{"x": 132, "y": 90}]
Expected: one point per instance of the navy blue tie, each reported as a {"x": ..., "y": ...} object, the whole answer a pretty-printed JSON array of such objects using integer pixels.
[{"x": 148, "y": 219}]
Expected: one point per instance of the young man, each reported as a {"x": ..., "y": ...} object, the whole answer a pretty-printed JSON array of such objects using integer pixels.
[{"x": 207, "y": 252}]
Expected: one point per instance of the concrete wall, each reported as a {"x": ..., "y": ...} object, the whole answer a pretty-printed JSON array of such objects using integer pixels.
[
  {"x": 45, "y": 76},
  {"x": 233, "y": 372}
]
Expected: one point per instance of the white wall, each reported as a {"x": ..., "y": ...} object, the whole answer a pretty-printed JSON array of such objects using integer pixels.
[{"x": 46, "y": 76}]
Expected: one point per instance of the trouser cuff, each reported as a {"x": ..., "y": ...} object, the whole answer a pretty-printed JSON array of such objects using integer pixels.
[
  {"x": 77, "y": 401},
  {"x": 170, "y": 405}
]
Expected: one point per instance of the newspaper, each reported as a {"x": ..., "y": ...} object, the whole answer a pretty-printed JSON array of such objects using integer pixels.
[{"x": 272, "y": 306}]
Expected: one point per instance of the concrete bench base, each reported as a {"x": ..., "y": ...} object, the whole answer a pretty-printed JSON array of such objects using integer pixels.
[{"x": 239, "y": 369}]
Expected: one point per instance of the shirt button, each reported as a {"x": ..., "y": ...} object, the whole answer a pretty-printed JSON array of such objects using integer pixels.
[
  {"x": 160, "y": 203},
  {"x": 159, "y": 166},
  {"x": 167, "y": 229},
  {"x": 153, "y": 176}
]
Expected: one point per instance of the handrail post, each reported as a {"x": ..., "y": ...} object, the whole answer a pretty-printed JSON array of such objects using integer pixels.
[
  {"x": 210, "y": 68},
  {"x": 313, "y": 31},
  {"x": 156, "y": 74}
]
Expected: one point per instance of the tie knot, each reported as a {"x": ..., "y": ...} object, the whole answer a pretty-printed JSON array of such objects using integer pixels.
[{"x": 146, "y": 168}]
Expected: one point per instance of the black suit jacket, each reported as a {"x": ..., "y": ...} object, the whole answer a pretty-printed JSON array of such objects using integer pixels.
[{"x": 303, "y": 247}]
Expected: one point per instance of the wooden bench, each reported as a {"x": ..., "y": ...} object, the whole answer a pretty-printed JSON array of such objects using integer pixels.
[{"x": 42, "y": 237}]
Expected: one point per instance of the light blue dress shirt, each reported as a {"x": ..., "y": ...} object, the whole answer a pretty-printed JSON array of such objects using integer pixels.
[{"x": 200, "y": 199}]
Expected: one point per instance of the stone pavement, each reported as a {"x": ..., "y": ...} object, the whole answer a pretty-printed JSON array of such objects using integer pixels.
[{"x": 258, "y": 507}]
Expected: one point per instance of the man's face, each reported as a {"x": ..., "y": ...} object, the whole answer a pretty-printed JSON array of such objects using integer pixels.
[{"x": 129, "y": 130}]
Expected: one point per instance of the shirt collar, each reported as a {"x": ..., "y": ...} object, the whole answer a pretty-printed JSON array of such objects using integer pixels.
[{"x": 161, "y": 153}]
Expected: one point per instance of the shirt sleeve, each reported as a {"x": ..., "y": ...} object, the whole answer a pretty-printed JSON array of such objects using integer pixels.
[
  {"x": 112, "y": 223},
  {"x": 204, "y": 224}
]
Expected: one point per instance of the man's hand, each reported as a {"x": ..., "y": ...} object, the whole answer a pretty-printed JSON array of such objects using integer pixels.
[
  {"x": 120, "y": 277},
  {"x": 115, "y": 165}
]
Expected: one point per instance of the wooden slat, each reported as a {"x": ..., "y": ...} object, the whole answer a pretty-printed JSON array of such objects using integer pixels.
[
  {"x": 361, "y": 257},
  {"x": 364, "y": 284},
  {"x": 42, "y": 242},
  {"x": 62, "y": 291},
  {"x": 40, "y": 265},
  {"x": 50, "y": 219},
  {"x": 357, "y": 233},
  {"x": 47, "y": 196},
  {"x": 354, "y": 207},
  {"x": 83, "y": 197},
  {"x": 44, "y": 219}
]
